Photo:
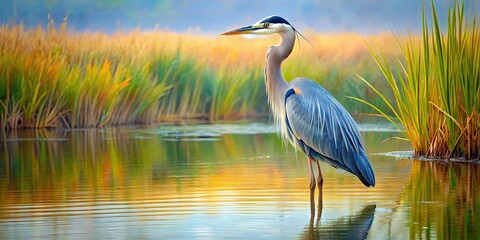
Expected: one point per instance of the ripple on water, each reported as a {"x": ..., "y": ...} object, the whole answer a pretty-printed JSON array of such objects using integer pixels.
[{"x": 216, "y": 181}]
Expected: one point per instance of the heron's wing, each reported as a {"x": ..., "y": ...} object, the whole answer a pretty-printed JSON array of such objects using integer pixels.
[{"x": 315, "y": 118}]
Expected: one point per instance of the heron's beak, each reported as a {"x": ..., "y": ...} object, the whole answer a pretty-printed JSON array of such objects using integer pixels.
[{"x": 243, "y": 30}]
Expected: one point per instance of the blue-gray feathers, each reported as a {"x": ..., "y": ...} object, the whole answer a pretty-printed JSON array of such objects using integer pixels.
[{"x": 322, "y": 128}]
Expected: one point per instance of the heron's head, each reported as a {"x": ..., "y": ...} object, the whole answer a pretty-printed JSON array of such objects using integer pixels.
[{"x": 266, "y": 26}]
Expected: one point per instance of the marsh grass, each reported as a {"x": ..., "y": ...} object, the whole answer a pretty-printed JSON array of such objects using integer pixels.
[
  {"x": 436, "y": 86},
  {"x": 55, "y": 78}
]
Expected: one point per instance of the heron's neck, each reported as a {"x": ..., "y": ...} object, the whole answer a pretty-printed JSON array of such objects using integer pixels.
[{"x": 274, "y": 81}]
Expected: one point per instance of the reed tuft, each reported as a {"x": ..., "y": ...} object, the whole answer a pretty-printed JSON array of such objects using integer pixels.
[{"x": 436, "y": 86}]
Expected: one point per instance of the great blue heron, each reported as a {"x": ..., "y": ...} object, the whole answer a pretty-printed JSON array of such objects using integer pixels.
[{"x": 306, "y": 114}]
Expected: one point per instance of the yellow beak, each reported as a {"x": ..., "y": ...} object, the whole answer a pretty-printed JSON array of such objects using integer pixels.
[{"x": 238, "y": 31}]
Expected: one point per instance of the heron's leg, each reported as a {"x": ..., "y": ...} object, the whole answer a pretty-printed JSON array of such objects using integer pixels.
[
  {"x": 320, "y": 176},
  {"x": 312, "y": 174},
  {"x": 312, "y": 188},
  {"x": 320, "y": 191},
  {"x": 312, "y": 206}
]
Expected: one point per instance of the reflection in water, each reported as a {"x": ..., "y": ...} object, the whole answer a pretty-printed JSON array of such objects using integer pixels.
[
  {"x": 52, "y": 166},
  {"x": 150, "y": 183},
  {"x": 444, "y": 200},
  {"x": 355, "y": 226}
]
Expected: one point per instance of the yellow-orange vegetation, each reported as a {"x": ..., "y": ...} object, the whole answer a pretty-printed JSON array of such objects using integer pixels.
[{"x": 52, "y": 78}]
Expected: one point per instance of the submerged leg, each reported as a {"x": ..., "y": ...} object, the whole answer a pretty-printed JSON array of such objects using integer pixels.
[{"x": 312, "y": 188}]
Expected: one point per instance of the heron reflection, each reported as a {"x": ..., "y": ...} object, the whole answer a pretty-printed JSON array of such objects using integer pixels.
[{"x": 355, "y": 226}]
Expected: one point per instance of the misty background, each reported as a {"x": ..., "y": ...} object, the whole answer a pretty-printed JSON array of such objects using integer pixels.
[{"x": 215, "y": 16}]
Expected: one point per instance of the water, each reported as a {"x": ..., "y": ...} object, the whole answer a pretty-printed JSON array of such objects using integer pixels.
[{"x": 223, "y": 181}]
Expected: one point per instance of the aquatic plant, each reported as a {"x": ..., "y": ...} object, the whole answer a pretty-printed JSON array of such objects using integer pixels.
[{"x": 436, "y": 86}]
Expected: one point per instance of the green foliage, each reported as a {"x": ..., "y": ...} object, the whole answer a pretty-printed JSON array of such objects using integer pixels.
[
  {"x": 43, "y": 87},
  {"x": 436, "y": 87},
  {"x": 55, "y": 78}
]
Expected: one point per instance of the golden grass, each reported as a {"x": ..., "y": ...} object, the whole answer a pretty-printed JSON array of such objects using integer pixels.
[{"x": 55, "y": 78}]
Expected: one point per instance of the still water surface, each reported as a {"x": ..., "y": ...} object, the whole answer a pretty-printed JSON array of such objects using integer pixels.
[{"x": 222, "y": 181}]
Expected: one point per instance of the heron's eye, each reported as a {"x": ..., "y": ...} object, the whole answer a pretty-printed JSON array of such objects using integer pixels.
[{"x": 266, "y": 25}]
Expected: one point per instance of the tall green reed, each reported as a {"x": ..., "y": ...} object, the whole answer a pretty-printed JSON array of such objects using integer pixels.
[{"x": 436, "y": 86}]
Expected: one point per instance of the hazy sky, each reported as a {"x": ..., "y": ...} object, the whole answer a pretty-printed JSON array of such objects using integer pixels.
[{"x": 214, "y": 16}]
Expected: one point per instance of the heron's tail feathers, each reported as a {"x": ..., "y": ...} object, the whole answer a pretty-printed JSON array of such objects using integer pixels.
[{"x": 365, "y": 171}]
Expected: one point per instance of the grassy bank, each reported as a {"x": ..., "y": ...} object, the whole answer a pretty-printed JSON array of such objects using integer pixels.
[
  {"x": 436, "y": 86},
  {"x": 56, "y": 78}
]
